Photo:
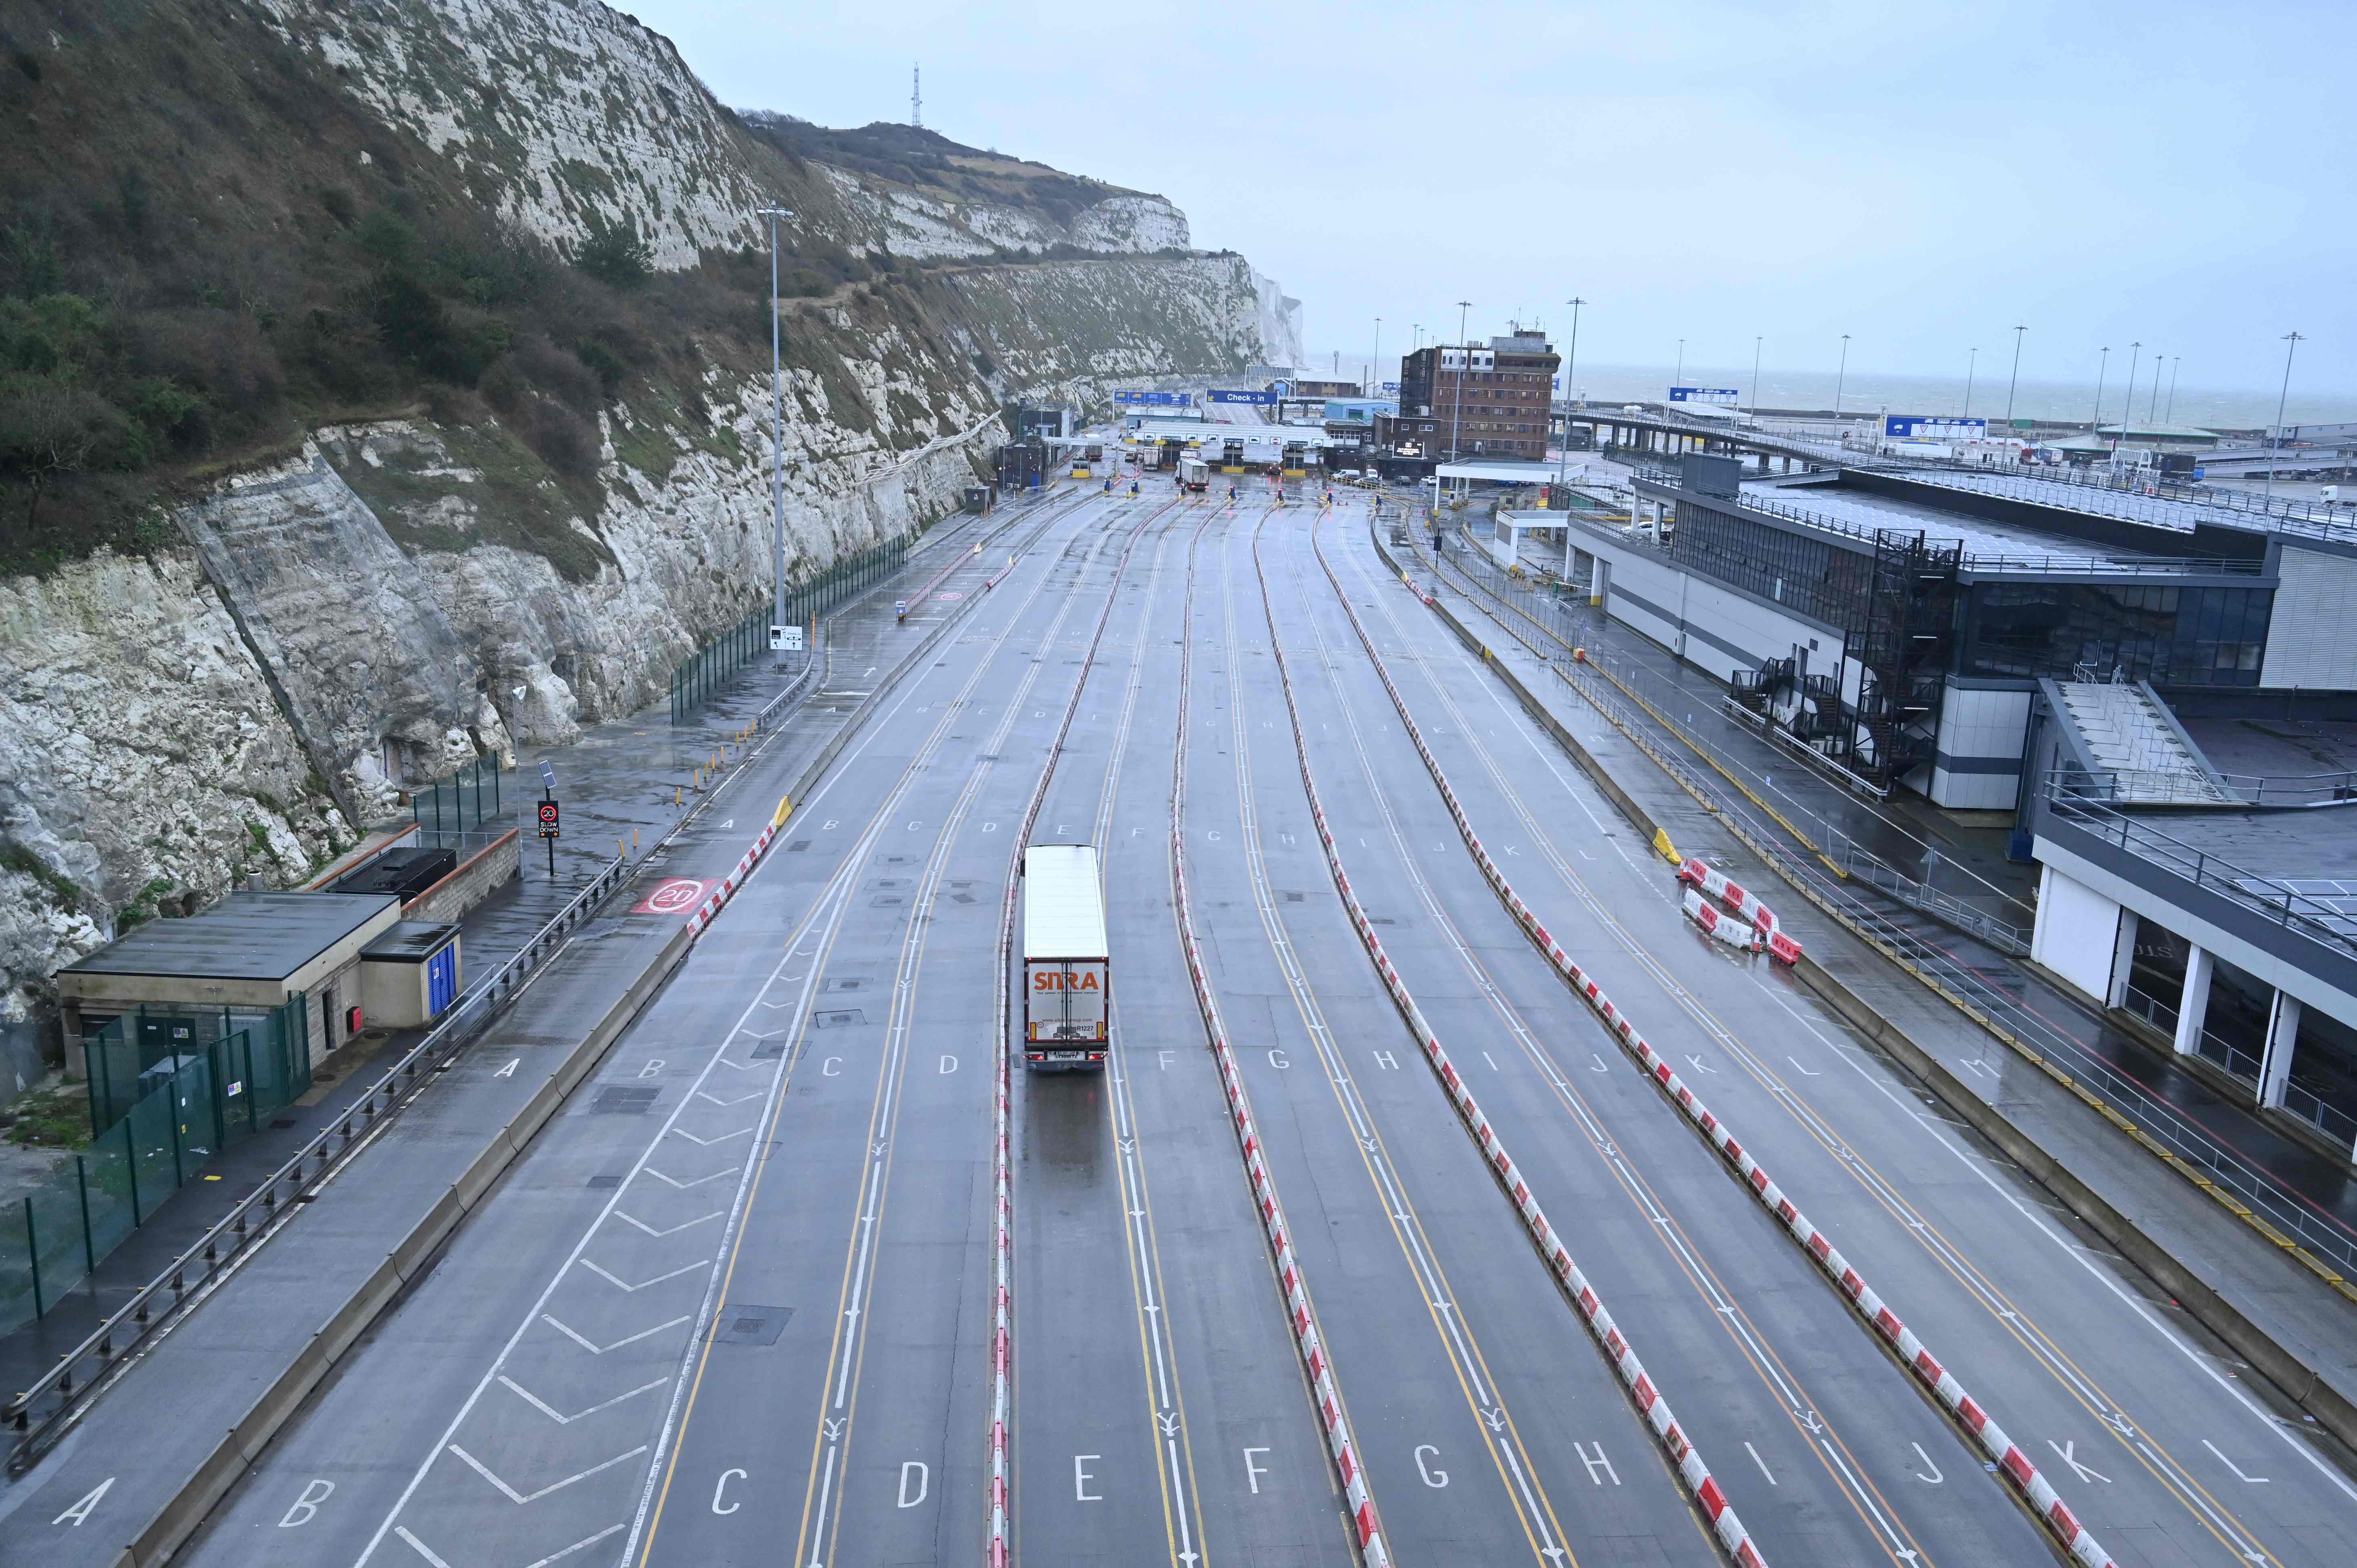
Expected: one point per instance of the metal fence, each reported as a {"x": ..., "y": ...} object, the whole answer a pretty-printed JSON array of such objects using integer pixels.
[
  {"x": 712, "y": 667},
  {"x": 466, "y": 803},
  {"x": 168, "y": 1093},
  {"x": 37, "y": 1416}
]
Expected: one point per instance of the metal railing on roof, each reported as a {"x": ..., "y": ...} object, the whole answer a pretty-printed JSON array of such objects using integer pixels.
[
  {"x": 2142, "y": 786},
  {"x": 2157, "y": 502},
  {"x": 2070, "y": 794},
  {"x": 2084, "y": 565}
]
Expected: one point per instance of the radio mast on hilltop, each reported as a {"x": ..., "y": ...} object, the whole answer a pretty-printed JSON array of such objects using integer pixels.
[{"x": 916, "y": 98}]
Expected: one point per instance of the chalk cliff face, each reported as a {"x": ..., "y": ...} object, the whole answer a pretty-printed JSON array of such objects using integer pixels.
[{"x": 395, "y": 598}]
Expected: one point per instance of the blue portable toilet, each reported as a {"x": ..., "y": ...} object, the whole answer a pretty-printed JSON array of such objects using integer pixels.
[{"x": 411, "y": 975}]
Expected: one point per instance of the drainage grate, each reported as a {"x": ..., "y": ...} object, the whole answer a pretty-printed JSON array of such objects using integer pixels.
[
  {"x": 845, "y": 984},
  {"x": 1380, "y": 920},
  {"x": 769, "y": 1049},
  {"x": 625, "y": 1099},
  {"x": 841, "y": 1018},
  {"x": 885, "y": 901},
  {"x": 797, "y": 843},
  {"x": 607, "y": 1181},
  {"x": 890, "y": 882},
  {"x": 1294, "y": 897},
  {"x": 742, "y": 1323}
]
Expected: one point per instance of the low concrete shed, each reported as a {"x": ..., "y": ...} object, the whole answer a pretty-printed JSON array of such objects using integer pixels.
[{"x": 253, "y": 950}]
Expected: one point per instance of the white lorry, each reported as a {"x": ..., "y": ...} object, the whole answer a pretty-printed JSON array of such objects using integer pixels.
[{"x": 1067, "y": 978}]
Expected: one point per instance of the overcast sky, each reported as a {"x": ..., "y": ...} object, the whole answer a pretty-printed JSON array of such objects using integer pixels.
[{"x": 1921, "y": 176}]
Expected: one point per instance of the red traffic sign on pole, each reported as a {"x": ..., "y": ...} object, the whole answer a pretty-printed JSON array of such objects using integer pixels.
[{"x": 548, "y": 820}]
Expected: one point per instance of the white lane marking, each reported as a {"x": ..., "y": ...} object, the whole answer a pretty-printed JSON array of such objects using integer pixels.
[
  {"x": 2246, "y": 1480},
  {"x": 670, "y": 1230},
  {"x": 521, "y": 1497},
  {"x": 708, "y": 1143},
  {"x": 558, "y": 1416},
  {"x": 619, "y": 1283},
  {"x": 1761, "y": 1462},
  {"x": 601, "y": 1349},
  {"x": 683, "y": 1186}
]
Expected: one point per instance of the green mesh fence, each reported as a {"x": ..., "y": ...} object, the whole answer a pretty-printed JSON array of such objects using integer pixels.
[
  {"x": 712, "y": 667},
  {"x": 168, "y": 1091}
]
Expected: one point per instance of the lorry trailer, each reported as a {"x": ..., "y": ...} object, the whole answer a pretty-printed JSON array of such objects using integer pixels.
[{"x": 1067, "y": 978}]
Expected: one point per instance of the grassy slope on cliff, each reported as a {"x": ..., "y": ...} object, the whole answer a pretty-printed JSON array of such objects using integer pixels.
[{"x": 207, "y": 246}]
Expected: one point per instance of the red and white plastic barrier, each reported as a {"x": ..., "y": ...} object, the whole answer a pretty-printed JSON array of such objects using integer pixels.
[
  {"x": 1366, "y": 1526},
  {"x": 2010, "y": 1461},
  {"x": 1655, "y": 1410},
  {"x": 1726, "y": 928},
  {"x": 1745, "y": 903},
  {"x": 1002, "y": 1163},
  {"x": 735, "y": 877}
]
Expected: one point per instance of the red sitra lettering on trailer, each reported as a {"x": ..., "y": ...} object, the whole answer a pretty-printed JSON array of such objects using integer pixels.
[{"x": 1049, "y": 980}]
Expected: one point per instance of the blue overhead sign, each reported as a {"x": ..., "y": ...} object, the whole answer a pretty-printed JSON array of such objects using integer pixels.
[
  {"x": 1724, "y": 397},
  {"x": 1154, "y": 399},
  {"x": 1933, "y": 427},
  {"x": 1265, "y": 399}
]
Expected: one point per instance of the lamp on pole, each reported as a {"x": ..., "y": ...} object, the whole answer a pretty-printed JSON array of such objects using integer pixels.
[
  {"x": 1756, "y": 342},
  {"x": 1841, "y": 378},
  {"x": 2275, "y": 437},
  {"x": 1456, "y": 403},
  {"x": 776, "y": 437},
  {"x": 2015, "y": 380},
  {"x": 1571, "y": 366},
  {"x": 2129, "y": 406},
  {"x": 2102, "y": 365},
  {"x": 1971, "y": 365},
  {"x": 2170, "y": 413},
  {"x": 1680, "y": 373},
  {"x": 1375, "y": 360}
]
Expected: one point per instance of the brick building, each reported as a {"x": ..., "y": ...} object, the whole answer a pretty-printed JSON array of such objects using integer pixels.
[{"x": 1463, "y": 401}]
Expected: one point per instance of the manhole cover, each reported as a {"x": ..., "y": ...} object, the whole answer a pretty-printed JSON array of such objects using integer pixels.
[
  {"x": 841, "y": 1018},
  {"x": 741, "y": 1323},
  {"x": 797, "y": 843},
  {"x": 625, "y": 1099},
  {"x": 845, "y": 984}
]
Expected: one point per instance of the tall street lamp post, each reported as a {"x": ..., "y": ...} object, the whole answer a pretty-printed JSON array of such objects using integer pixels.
[
  {"x": 1756, "y": 342},
  {"x": 1971, "y": 365},
  {"x": 2127, "y": 406},
  {"x": 2275, "y": 437},
  {"x": 1841, "y": 379},
  {"x": 1375, "y": 360},
  {"x": 2170, "y": 414},
  {"x": 1457, "y": 403},
  {"x": 776, "y": 437},
  {"x": 2015, "y": 380},
  {"x": 1571, "y": 367},
  {"x": 2096, "y": 422}
]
